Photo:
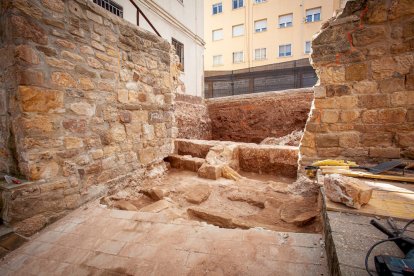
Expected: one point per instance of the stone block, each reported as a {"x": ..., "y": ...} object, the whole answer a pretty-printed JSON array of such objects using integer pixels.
[
  {"x": 23, "y": 28},
  {"x": 384, "y": 152},
  {"x": 350, "y": 191},
  {"x": 83, "y": 108},
  {"x": 337, "y": 90},
  {"x": 349, "y": 140},
  {"x": 31, "y": 77},
  {"x": 27, "y": 54},
  {"x": 94, "y": 17},
  {"x": 374, "y": 101},
  {"x": 347, "y": 102},
  {"x": 392, "y": 85},
  {"x": 332, "y": 75},
  {"x": 349, "y": 116},
  {"x": 356, "y": 72},
  {"x": 198, "y": 194},
  {"x": 327, "y": 140},
  {"x": 365, "y": 87},
  {"x": 73, "y": 142},
  {"x": 368, "y": 35},
  {"x": 63, "y": 79},
  {"x": 405, "y": 139},
  {"x": 377, "y": 139},
  {"x": 36, "y": 99},
  {"x": 60, "y": 63},
  {"x": 209, "y": 171},
  {"x": 330, "y": 116},
  {"x": 392, "y": 115},
  {"x": 146, "y": 156}
]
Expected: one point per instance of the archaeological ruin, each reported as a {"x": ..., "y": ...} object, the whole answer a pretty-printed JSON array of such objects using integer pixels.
[{"x": 118, "y": 172}]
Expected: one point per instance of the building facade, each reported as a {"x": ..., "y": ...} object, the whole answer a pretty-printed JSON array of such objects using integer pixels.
[
  {"x": 248, "y": 33},
  {"x": 180, "y": 22}
]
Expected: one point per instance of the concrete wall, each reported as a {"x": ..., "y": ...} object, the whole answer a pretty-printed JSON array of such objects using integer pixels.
[
  {"x": 90, "y": 103},
  {"x": 254, "y": 117},
  {"x": 364, "y": 104},
  {"x": 184, "y": 22},
  {"x": 297, "y": 34}
]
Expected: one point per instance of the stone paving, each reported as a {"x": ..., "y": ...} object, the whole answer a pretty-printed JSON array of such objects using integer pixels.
[{"x": 94, "y": 240}]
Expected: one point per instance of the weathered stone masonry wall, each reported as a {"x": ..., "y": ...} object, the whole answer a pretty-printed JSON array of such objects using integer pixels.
[
  {"x": 254, "y": 117},
  {"x": 89, "y": 98},
  {"x": 191, "y": 115},
  {"x": 364, "y": 104}
]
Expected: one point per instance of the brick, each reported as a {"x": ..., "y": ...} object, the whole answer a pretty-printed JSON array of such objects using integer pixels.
[
  {"x": 384, "y": 152},
  {"x": 356, "y": 72},
  {"x": 326, "y": 140},
  {"x": 36, "y": 99}
]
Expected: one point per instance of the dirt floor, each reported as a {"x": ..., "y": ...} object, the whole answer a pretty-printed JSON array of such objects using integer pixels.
[{"x": 254, "y": 201}]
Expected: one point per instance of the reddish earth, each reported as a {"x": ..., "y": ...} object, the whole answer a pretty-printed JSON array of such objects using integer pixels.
[{"x": 253, "y": 201}]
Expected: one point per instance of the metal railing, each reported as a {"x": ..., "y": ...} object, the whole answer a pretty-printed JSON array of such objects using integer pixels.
[{"x": 272, "y": 77}]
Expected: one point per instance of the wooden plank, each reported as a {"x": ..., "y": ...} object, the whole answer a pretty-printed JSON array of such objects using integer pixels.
[{"x": 368, "y": 175}]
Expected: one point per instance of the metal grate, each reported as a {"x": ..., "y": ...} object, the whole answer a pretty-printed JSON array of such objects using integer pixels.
[
  {"x": 111, "y": 6},
  {"x": 179, "y": 50},
  {"x": 272, "y": 77}
]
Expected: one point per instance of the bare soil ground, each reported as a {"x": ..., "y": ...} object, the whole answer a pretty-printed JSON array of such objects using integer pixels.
[{"x": 253, "y": 201}]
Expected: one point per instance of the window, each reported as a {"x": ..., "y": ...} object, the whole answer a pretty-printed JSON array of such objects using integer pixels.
[
  {"x": 217, "y": 8},
  {"x": 259, "y": 1},
  {"x": 313, "y": 15},
  {"x": 238, "y": 30},
  {"x": 111, "y": 6},
  {"x": 260, "y": 54},
  {"x": 285, "y": 20},
  {"x": 308, "y": 47},
  {"x": 217, "y": 60},
  {"x": 260, "y": 26},
  {"x": 217, "y": 34},
  {"x": 285, "y": 50},
  {"x": 237, "y": 4},
  {"x": 238, "y": 57},
  {"x": 179, "y": 51}
]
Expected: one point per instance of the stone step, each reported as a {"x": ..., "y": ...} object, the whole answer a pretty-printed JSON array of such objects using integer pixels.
[
  {"x": 262, "y": 159},
  {"x": 185, "y": 162}
]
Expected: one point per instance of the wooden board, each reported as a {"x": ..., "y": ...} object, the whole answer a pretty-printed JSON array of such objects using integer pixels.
[{"x": 346, "y": 172}]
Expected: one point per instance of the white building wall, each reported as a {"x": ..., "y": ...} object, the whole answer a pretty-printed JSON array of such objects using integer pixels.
[{"x": 183, "y": 22}]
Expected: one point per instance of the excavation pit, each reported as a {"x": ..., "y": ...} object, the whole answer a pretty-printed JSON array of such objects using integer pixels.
[{"x": 263, "y": 201}]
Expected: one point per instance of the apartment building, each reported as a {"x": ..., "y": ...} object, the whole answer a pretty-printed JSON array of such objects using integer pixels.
[
  {"x": 180, "y": 22},
  {"x": 247, "y": 33}
]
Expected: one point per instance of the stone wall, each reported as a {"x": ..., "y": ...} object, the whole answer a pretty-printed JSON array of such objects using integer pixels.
[
  {"x": 364, "y": 104},
  {"x": 254, "y": 117},
  {"x": 89, "y": 99},
  {"x": 192, "y": 118}
]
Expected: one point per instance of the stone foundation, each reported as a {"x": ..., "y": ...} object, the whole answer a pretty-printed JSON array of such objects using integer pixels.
[
  {"x": 254, "y": 117},
  {"x": 364, "y": 102},
  {"x": 88, "y": 103}
]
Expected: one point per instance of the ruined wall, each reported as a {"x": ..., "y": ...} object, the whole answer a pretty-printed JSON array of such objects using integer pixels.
[
  {"x": 254, "y": 117},
  {"x": 90, "y": 102},
  {"x": 364, "y": 104},
  {"x": 192, "y": 118}
]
